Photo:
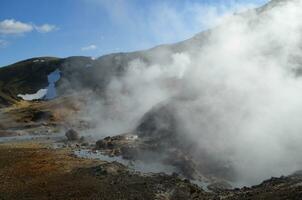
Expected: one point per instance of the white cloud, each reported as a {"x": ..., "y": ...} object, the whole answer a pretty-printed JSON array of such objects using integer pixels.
[
  {"x": 11, "y": 26},
  {"x": 45, "y": 28},
  {"x": 89, "y": 48}
]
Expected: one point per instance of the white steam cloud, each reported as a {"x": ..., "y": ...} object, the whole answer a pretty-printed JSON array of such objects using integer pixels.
[
  {"x": 242, "y": 95},
  {"x": 246, "y": 101}
]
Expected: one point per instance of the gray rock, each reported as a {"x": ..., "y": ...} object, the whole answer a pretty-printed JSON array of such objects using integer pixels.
[{"x": 72, "y": 135}]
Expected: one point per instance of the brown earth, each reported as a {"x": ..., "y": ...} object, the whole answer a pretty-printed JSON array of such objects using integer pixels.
[
  {"x": 35, "y": 170},
  {"x": 39, "y": 117},
  {"x": 31, "y": 170}
]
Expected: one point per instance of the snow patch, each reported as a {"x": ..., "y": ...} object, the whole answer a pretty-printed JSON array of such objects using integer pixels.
[
  {"x": 39, "y": 60},
  {"x": 38, "y": 95},
  {"x": 46, "y": 93}
]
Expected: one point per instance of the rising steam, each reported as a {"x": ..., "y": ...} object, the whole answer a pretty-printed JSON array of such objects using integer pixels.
[{"x": 238, "y": 95}]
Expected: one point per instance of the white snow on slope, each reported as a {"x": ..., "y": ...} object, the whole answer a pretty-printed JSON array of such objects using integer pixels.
[
  {"x": 38, "y": 60},
  {"x": 38, "y": 95},
  {"x": 46, "y": 93}
]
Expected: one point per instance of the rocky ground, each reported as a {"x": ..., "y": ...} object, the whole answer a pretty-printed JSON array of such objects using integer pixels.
[
  {"x": 38, "y": 162},
  {"x": 33, "y": 170}
]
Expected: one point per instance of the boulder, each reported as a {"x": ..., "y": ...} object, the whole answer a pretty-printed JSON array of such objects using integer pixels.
[
  {"x": 72, "y": 135},
  {"x": 101, "y": 144}
]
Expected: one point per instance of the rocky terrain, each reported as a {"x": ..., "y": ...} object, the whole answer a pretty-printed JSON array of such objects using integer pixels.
[
  {"x": 57, "y": 116},
  {"x": 35, "y": 170}
]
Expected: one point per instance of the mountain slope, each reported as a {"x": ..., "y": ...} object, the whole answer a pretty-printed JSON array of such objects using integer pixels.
[
  {"x": 27, "y": 77},
  {"x": 221, "y": 108}
]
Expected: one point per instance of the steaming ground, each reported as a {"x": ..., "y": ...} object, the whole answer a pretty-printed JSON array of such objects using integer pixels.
[{"x": 236, "y": 94}]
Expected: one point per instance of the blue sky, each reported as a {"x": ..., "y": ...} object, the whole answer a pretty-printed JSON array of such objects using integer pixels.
[{"x": 31, "y": 28}]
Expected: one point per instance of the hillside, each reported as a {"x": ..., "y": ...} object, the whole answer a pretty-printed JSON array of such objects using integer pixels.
[{"x": 215, "y": 116}]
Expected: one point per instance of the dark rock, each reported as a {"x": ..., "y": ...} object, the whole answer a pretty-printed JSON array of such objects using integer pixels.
[
  {"x": 85, "y": 144},
  {"x": 129, "y": 152},
  {"x": 101, "y": 144},
  {"x": 72, "y": 135},
  {"x": 159, "y": 123},
  {"x": 42, "y": 116}
]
